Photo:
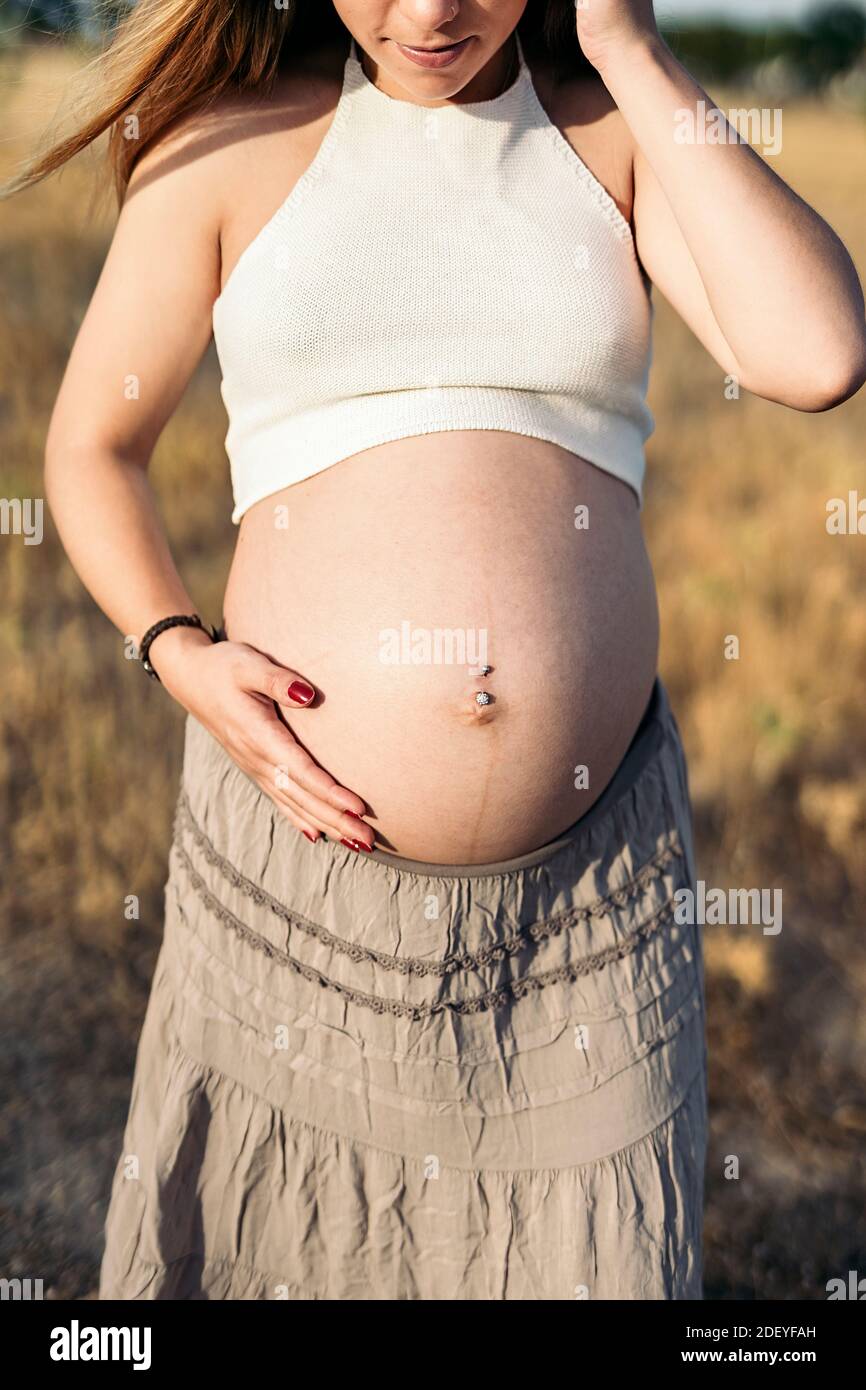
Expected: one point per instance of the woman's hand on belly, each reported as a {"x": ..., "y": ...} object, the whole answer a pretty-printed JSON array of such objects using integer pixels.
[
  {"x": 449, "y": 781},
  {"x": 402, "y": 571},
  {"x": 235, "y": 692}
]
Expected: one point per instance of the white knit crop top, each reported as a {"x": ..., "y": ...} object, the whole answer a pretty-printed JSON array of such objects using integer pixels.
[{"x": 435, "y": 268}]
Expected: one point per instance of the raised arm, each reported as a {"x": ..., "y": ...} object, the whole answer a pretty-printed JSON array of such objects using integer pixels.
[{"x": 760, "y": 278}]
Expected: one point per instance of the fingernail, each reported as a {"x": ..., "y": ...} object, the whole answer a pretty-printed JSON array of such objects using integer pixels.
[
  {"x": 311, "y": 838},
  {"x": 356, "y": 845},
  {"x": 300, "y": 691},
  {"x": 355, "y": 816}
]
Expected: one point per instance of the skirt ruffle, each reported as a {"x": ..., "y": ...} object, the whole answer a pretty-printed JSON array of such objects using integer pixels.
[{"x": 359, "y": 1079}]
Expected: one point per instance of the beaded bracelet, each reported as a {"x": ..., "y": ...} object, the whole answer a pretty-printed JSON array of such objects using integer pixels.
[{"x": 179, "y": 620}]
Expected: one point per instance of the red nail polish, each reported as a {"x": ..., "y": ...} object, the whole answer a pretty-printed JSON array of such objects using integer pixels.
[
  {"x": 355, "y": 816},
  {"x": 300, "y": 691},
  {"x": 350, "y": 844},
  {"x": 311, "y": 838}
]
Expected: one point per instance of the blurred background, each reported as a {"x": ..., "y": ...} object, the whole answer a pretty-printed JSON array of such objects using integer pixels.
[{"x": 736, "y": 513}]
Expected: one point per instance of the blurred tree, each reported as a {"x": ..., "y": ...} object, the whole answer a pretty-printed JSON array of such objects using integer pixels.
[
  {"x": 88, "y": 19},
  {"x": 46, "y": 16},
  {"x": 719, "y": 50},
  {"x": 828, "y": 41},
  {"x": 831, "y": 42}
]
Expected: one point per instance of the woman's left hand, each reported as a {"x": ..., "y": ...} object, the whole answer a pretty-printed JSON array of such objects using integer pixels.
[{"x": 607, "y": 28}]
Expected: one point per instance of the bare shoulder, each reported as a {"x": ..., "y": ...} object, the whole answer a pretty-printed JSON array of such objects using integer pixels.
[
  {"x": 585, "y": 112},
  {"x": 210, "y": 152},
  {"x": 238, "y": 156},
  {"x": 305, "y": 90}
]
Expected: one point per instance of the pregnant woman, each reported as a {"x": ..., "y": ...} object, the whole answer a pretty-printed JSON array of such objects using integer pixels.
[{"x": 427, "y": 1021}]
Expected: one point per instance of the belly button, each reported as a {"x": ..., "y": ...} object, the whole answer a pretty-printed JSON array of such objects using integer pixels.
[
  {"x": 482, "y": 707},
  {"x": 478, "y": 705}
]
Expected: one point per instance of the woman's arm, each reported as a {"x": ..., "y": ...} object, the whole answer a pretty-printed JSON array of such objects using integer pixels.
[
  {"x": 145, "y": 330},
  {"x": 759, "y": 277}
]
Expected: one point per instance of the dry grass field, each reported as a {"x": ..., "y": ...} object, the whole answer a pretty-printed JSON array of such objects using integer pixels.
[{"x": 90, "y": 753}]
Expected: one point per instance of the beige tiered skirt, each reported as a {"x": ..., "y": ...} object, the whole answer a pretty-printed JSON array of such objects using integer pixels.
[{"x": 363, "y": 1077}]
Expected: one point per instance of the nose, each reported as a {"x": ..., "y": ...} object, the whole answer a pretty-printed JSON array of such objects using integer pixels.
[{"x": 426, "y": 16}]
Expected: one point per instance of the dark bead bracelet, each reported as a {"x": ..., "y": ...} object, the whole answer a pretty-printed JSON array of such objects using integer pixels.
[{"x": 216, "y": 634}]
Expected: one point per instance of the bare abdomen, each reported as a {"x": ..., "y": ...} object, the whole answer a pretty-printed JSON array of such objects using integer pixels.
[{"x": 402, "y": 570}]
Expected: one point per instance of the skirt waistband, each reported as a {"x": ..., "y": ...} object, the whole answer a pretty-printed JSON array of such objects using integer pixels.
[
  {"x": 641, "y": 812},
  {"x": 540, "y": 1013}
]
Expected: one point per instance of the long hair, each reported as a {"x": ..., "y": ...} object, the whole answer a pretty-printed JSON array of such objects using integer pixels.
[{"x": 169, "y": 57}]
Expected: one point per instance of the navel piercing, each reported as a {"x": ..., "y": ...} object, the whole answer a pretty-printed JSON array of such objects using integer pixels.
[
  {"x": 485, "y": 670},
  {"x": 482, "y": 698}
]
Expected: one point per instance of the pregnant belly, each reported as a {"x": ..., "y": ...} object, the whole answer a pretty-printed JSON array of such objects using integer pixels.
[{"x": 391, "y": 579}]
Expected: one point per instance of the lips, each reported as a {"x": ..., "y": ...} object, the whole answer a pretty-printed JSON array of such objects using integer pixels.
[{"x": 440, "y": 57}]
